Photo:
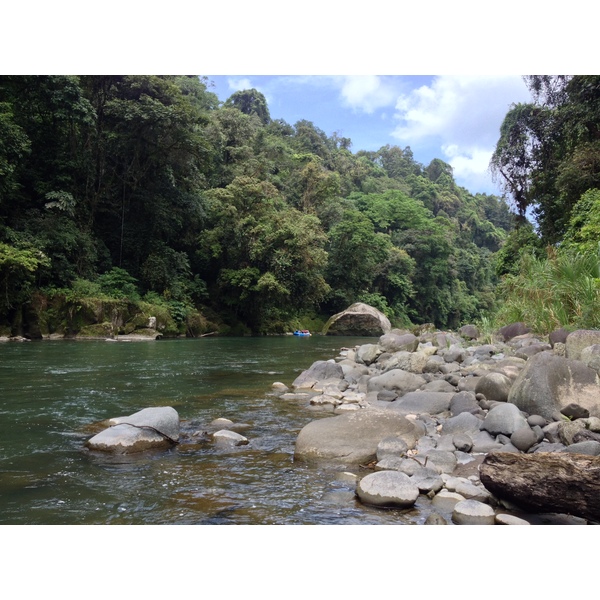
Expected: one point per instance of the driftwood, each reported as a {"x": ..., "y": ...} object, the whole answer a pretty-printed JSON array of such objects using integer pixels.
[{"x": 545, "y": 482}]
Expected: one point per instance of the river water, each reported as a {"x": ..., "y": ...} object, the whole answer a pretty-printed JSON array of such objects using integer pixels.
[{"x": 53, "y": 391}]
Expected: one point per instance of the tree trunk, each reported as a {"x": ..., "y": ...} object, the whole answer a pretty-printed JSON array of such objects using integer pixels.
[{"x": 545, "y": 482}]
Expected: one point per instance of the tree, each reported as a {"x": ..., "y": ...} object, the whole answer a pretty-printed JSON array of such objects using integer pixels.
[{"x": 250, "y": 102}]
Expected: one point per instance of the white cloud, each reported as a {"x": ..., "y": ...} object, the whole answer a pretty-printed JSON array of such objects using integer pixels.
[
  {"x": 461, "y": 116},
  {"x": 366, "y": 92},
  {"x": 237, "y": 85}
]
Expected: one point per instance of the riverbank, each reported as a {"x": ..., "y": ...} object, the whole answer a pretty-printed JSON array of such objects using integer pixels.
[{"x": 415, "y": 419}]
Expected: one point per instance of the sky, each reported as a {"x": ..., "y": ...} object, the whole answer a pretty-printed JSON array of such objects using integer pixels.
[{"x": 455, "y": 118}]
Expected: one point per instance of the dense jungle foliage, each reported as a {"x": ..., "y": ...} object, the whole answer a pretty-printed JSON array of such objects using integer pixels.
[
  {"x": 548, "y": 161},
  {"x": 147, "y": 195}
]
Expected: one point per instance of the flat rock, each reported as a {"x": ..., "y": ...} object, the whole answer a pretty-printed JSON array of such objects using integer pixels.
[
  {"x": 387, "y": 488},
  {"x": 473, "y": 512}
]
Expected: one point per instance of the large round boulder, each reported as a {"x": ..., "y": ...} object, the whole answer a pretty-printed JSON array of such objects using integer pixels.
[
  {"x": 359, "y": 319},
  {"x": 320, "y": 372},
  {"x": 548, "y": 383},
  {"x": 352, "y": 438}
]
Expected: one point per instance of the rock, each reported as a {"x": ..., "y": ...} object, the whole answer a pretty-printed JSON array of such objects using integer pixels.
[
  {"x": 503, "y": 519},
  {"x": 225, "y": 437},
  {"x": 504, "y": 418},
  {"x": 419, "y": 402},
  {"x": 353, "y": 438},
  {"x": 588, "y": 447},
  {"x": 440, "y": 385},
  {"x": 280, "y": 388},
  {"x": 473, "y": 512},
  {"x": 391, "y": 342},
  {"x": 545, "y": 482},
  {"x": 574, "y": 411},
  {"x": 396, "y": 380},
  {"x": 359, "y": 319},
  {"x": 590, "y": 356},
  {"x": 462, "y": 423},
  {"x": 440, "y": 460},
  {"x": 523, "y": 438},
  {"x": 469, "y": 331},
  {"x": 464, "y": 402},
  {"x": 446, "y": 501},
  {"x": 558, "y": 336},
  {"x": 435, "y": 519},
  {"x": 549, "y": 382},
  {"x": 494, "y": 386},
  {"x": 427, "y": 480},
  {"x": 578, "y": 340},
  {"x": 387, "y": 488},
  {"x": 513, "y": 330},
  {"x": 391, "y": 446},
  {"x": 320, "y": 372},
  {"x": 367, "y": 353},
  {"x": 462, "y": 442},
  {"x": 155, "y": 427}
]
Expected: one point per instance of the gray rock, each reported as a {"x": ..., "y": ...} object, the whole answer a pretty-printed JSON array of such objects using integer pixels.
[
  {"x": 445, "y": 501},
  {"x": 462, "y": 442},
  {"x": 504, "y": 418},
  {"x": 578, "y": 340},
  {"x": 504, "y": 519},
  {"x": 464, "y": 402},
  {"x": 590, "y": 447},
  {"x": 558, "y": 336},
  {"x": 367, "y": 353},
  {"x": 473, "y": 512},
  {"x": 575, "y": 411},
  {"x": 513, "y": 330},
  {"x": 392, "y": 342},
  {"x": 440, "y": 385},
  {"x": 440, "y": 461},
  {"x": 548, "y": 383},
  {"x": 469, "y": 331},
  {"x": 524, "y": 438},
  {"x": 494, "y": 386},
  {"x": 590, "y": 356},
  {"x": 352, "y": 438},
  {"x": 155, "y": 427},
  {"x": 533, "y": 420},
  {"x": 225, "y": 437},
  {"x": 419, "y": 402},
  {"x": 483, "y": 442},
  {"x": 387, "y": 488},
  {"x": 392, "y": 445},
  {"x": 320, "y": 371},
  {"x": 435, "y": 519},
  {"x": 396, "y": 380},
  {"x": 427, "y": 480},
  {"x": 462, "y": 423}
]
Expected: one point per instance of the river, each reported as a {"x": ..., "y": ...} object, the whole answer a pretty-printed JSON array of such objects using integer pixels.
[{"x": 52, "y": 391}]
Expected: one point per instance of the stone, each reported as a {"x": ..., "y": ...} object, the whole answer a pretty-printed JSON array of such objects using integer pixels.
[
  {"x": 396, "y": 380},
  {"x": 367, "y": 353},
  {"x": 440, "y": 460},
  {"x": 575, "y": 411},
  {"x": 523, "y": 438},
  {"x": 589, "y": 447},
  {"x": 225, "y": 437},
  {"x": 503, "y": 519},
  {"x": 548, "y": 383},
  {"x": 462, "y": 442},
  {"x": 473, "y": 512},
  {"x": 427, "y": 480},
  {"x": 353, "y": 438},
  {"x": 279, "y": 388},
  {"x": 155, "y": 427},
  {"x": 462, "y": 423},
  {"x": 508, "y": 332},
  {"x": 419, "y": 402},
  {"x": 464, "y": 402},
  {"x": 494, "y": 386},
  {"x": 391, "y": 342},
  {"x": 391, "y": 445},
  {"x": 445, "y": 501},
  {"x": 387, "y": 488},
  {"x": 578, "y": 340},
  {"x": 558, "y": 336},
  {"x": 504, "y": 418},
  {"x": 590, "y": 356},
  {"x": 359, "y": 319},
  {"x": 469, "y": 331},
  {"x": 435, "y": 519},
  {"x": 319, "y": 372}
]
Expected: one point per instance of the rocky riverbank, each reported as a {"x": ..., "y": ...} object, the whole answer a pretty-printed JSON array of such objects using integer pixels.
[{"x": 421, "y": 416}]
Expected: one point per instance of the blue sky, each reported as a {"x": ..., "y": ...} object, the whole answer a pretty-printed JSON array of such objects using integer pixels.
[{"x": 452, "y": 117}]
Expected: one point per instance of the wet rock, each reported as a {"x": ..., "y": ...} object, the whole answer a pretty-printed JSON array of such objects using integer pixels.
[
  {"x": 225, "y": 437},
  {"x": 321, "y": 371}
]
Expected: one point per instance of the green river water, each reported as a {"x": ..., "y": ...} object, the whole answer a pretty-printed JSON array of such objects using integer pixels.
[{"x": 52, "y": 391}]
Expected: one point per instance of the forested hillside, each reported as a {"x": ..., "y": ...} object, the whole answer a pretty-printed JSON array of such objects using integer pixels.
[{"x": 148, "y": 194}]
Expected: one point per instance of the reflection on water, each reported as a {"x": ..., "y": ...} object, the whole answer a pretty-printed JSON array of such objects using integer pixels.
[{"x": 52, "y": 392}]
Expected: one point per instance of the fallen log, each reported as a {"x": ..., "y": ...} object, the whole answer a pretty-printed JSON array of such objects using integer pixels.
[{"x": 545, "y": 482}]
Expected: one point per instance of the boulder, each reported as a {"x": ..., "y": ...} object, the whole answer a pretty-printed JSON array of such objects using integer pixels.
[
  {"x": 469, "y": 332},
  {"x": 150, "y": 428},
  {"x": 580, "y": 339},
  {"x": 494, "y": 386},
  {"x": 359, "y": 319},
  {"x": 353, "y": 438},
  {"x": 505, "y": 419},
  {"x": 548, "y": 383},
  {"x": 320, "y": 371},
  {"x": 393, "y": 342},
  {"x": 473, "y": 512}
]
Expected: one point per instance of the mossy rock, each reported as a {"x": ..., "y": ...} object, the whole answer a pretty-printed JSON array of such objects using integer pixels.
[{"x": 97, "y": 330}]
